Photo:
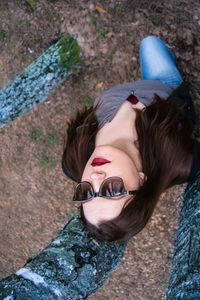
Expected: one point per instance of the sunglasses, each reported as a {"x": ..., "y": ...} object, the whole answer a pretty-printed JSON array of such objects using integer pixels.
[{"x": 112, "y": 187}]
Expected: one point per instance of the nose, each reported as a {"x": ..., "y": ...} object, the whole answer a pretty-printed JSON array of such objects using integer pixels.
[
  {"x": 98, "y": 175},
  {"x": 97, "y": 178}
]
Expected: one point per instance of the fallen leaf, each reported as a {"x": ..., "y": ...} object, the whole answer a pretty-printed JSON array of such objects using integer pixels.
[
  {"x": 100, "y": 85},
  {"x": 100, "y": 9}
]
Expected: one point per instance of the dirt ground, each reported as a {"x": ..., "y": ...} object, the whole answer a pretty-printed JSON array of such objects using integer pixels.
[{"x": 35, "y": 197}]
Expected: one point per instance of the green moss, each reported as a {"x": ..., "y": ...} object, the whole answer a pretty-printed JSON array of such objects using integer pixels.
[
  {"x": 32, "y": 3},
  {"x": 2, "y": 36},
  {"x": 69, "y": 52},
  {"x": 119, "y": 10},
  {"x": 25, "y": 24},
  {"x": 133, "y": 34},
  {"x": 35, "y": 135},
  {"x": 51, "y": 17},
  {"x": 51, "y": 139},
  {"x": 87, "y": 101},
  {"x": 43, "y": 160},
  {"x": 47, "y": 70},
  {"x": 2, "y": 81},
  {"x": 1, "y": 163},
  {"x": 93, "y": 20},
  {"x": 71, "y": 213},
  {"x": 156, "y": 20},
  {"x": 101, "y": 33}
]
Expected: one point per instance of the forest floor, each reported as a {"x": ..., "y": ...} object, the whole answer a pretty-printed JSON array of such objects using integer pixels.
[{"x": 35, "y": 196}]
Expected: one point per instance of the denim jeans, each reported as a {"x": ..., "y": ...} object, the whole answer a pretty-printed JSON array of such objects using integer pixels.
[{"x": 158, "y": 62}]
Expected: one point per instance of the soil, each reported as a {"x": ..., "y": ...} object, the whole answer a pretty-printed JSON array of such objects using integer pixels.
[{"x": 35, "y": 196}]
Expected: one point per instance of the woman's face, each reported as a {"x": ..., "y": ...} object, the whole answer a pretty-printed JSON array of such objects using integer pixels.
[{"x": 120, "y": 165}]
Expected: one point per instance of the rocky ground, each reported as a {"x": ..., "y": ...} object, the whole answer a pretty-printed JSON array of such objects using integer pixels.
[{"x": 35, "y": 197}]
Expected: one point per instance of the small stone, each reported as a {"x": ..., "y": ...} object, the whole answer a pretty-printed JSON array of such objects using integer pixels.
[
  {"x": 134, "y": 59},
  {"x": 104, "y": 48},
  {"x": 110, "y": 34},
  {"x": 92, "y": 7},
  {"x": 100, "y": 85},
  {"x": 195, "y": 17},
  {"x": 134, "y": 24},
  {"x": 30, "y": 50},
  {"x": 165, "y": 33}
]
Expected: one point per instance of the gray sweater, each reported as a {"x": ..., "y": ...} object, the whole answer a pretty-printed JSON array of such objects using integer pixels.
[{"x": 111, "y": 99}]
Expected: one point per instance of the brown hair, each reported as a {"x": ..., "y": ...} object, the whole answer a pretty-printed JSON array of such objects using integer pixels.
[{"x": 166, "y": 148}]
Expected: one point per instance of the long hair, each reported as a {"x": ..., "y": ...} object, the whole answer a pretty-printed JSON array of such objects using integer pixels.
[
  {"x": 79, "y": 143},
  {"x": 166, "y": 147}
]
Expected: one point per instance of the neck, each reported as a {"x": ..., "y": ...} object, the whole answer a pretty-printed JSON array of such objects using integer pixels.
[{"x": 121, "y": 137}]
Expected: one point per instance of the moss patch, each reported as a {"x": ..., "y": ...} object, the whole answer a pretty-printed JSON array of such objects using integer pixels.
[
  {"x": 101, "y": 33},
  {"x": 32, "y": 3},
  {"x": 36, "y": 135},
  {"x": 87, "y": 101},
  {"x": 43, "y": 160},
  {"x": 2, "y": 36},
  {"x": 51, "y": 139},
  {"x": 157, "y": 20},
  {"x": 69, "y": 52}
]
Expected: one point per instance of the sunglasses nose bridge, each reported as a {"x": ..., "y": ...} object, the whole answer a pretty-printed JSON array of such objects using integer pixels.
[{"x": 97, "y": 178}]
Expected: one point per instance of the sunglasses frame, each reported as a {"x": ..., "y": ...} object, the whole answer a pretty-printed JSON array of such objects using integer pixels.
[{"x": 99, "y": 194}]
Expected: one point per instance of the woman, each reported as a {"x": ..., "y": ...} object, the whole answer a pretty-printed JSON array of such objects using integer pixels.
[{"x": 126, "y": 153}]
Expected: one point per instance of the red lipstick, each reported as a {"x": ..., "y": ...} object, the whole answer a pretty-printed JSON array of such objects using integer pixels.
[{"x": 99, "y": 161}]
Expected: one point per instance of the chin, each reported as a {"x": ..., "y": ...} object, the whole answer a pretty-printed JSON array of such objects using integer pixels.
[{"x": 97, "y": 215}]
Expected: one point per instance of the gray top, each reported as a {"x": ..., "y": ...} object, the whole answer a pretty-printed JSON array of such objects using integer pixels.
[{"x": 111, "y": 99}]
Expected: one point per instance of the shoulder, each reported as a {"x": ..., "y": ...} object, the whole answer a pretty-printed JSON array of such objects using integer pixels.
[{"x": 142, "y": 89}]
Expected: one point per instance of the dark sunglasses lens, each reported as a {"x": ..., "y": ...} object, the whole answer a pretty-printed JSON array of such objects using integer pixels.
[
  {"x": 113, "y": 187},
  {"x": 83, "y": 192}
]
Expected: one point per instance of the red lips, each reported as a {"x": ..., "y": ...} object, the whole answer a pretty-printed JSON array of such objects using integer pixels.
[{"x": 99, "y": 161}]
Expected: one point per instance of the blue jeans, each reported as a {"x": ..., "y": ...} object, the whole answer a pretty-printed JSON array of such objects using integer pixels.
[{"x": 158, "y": 62}]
